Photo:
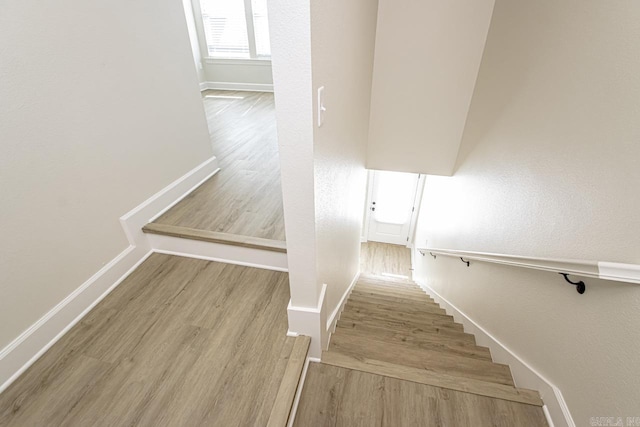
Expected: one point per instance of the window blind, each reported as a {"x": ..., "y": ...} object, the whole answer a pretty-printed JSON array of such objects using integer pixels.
[
  {"x": 228, "y": 24},
  {"x": 225, "y": 28}
]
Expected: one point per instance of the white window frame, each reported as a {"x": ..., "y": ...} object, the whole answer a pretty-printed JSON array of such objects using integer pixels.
[{"x": 251, "y": 35}]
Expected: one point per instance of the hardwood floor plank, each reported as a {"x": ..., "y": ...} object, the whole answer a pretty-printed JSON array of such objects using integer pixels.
[
  {"x": 400, "y": 320},
  {"x": 245, "y": 197},
  {"x": 389, "y": 284},
  {"x": 70, "y": 388},
  {"x": 422, "y": 359},
  {"x": 291, "y": 378},
  {"x": 180, "y": 342},
  {"x": 335, "y": 396},
  {"x": 391, "y": 297},
  {"x": 426, "y": 343},
  {"x": 436, "y": 379},
  {"x": 280, "y": 374},
  {"x": 402, "y": 333},
  {"x": 405, "y": 327},
  {"x": 409, "y": 310},
  {"x": 358, "y": 408},
  {"x": 393, "y": 303},
  {"x": 216, "y": 237},
  {"x": 387, "y": 290},
  {"x": 320, "y": 397},
  {"x": 382, "y": 258}
]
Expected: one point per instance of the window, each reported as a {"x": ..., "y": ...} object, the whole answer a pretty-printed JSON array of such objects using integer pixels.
[{"x": 236, "y": 28}]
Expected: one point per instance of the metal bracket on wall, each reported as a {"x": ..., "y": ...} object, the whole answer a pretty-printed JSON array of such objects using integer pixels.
[
  {"x": 580, "y": 286},
  {"x": 434, "y": 257},
  {"x": 466, "y": 262}
]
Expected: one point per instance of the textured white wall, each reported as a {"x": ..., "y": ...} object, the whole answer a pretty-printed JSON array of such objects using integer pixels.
[
  {"x": 290, "y": 32},
  {"x": 427, "y": 56},
  {"x": 323, "y": 174},
  {"x": 548, "y": 167},
  {"x": 96, "y": 115},
  {"x": 343, "y": 37}
]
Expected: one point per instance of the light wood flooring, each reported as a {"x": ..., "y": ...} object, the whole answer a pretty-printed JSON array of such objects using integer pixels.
[
  {"x": 245, "y": 197},
  {"x": 181, "y": 342},
  {"x": 397, "y": 359},
  {"x": 351, "y": 398},
  {"x": 385, "y": 259}
]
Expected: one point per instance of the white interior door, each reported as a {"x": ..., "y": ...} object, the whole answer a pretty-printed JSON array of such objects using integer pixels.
[{"x": 391, "y": 205}]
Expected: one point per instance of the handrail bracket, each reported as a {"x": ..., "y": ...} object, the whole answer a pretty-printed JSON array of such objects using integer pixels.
[{"x": 580, "y": 286}]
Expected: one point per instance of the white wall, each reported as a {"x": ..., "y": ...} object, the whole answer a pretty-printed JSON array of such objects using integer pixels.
[
  {"x": 115, "y": 116},
  {"x": 234, "y": 74},
  {"x": 290, "y": 32},
  {"x": 548, "y": 167},
  {"x": 343, "y": 37},
  {"x": 294, "y": 114},
  {"x": 427, "y": 56}
]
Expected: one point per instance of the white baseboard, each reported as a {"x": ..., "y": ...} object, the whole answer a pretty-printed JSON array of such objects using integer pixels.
[
  {"x": 163, "y": 200},
  {"x": 335, "y": 315},
  {"x": 310, "y": 322},
  {"x": 249, "y": 87},
  {"x": 248, "y": 257},
  {"x": 39, "y": 337},
  {"x": 524, "y": 375}
]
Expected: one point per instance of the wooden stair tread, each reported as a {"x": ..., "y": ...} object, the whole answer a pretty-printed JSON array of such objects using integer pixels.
[
  {"x": 391, "y": 289},
  {"x": 391, "y": 298},
  {"x": 281, "y": 409},
  {"x": 216, "y": 237},
  {"x": 377, "y": 293},
  {"x": 396, "y": 307},
  {"x": 426, "y": 334},
  {"x": 436, "y": 379},
  {"x": 386, "y": 279},
  {"x": 400, "y": 319},
  {"x": 404, "y": 327},
  {"x": 410, "y": 299},
  {"x": 434, "y": 344},
  {"x": 423, "y": 359}
]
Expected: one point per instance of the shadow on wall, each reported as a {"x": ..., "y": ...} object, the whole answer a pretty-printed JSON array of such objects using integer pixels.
[{"x": 508, "y": 55}]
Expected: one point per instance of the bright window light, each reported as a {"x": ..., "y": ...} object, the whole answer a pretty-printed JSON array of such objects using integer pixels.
[
  {"x": 225, "y": 28},
  {"x": 394, "y": 196},
  {"x": 261, "y": 28},
  {"x": 236, "y": 29}
]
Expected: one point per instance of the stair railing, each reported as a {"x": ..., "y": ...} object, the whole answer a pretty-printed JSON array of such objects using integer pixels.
[{"x": 629, "y": 273}]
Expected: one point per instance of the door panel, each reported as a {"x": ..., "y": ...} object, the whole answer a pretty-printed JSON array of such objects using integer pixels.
[{"x": 391, "y": 206}]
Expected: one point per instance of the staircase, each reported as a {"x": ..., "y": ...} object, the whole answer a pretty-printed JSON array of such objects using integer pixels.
[{"x": 391, "y": 328}]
